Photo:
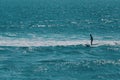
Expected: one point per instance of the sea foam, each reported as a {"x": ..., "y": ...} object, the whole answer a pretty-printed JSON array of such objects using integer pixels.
[{"x": 36, "y": 43}]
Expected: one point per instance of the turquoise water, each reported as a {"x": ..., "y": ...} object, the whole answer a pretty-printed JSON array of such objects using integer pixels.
[{"x": 45, "y": 39}]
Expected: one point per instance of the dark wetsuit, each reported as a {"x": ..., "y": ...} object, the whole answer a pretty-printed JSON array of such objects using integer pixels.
[{"x": 91, "y": 38}]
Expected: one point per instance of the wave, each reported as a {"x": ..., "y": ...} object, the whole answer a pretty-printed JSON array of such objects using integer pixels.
[{"x": 37, "y": 43}]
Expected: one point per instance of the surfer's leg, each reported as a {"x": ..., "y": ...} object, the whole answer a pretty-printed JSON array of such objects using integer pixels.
[{"x": 91, "y": 42}]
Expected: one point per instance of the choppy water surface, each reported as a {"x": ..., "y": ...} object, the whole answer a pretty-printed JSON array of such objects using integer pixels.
[{"x": 46, "y": 40}]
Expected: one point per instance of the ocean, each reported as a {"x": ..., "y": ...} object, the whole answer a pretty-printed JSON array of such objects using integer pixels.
[{"x": 46, "y": 39}]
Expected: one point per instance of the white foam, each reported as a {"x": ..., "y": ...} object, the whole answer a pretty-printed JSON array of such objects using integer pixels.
[{"x": 36, "y": 43}]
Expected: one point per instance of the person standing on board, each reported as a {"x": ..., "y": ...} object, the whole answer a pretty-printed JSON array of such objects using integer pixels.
[{"x": 91, "y": 38}]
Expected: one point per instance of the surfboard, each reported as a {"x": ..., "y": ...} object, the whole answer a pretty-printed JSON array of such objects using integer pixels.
[{"x": 93, "y": 45}]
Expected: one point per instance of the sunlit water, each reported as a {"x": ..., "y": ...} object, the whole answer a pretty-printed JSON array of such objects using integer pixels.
[{"x": 46, "y": 39}]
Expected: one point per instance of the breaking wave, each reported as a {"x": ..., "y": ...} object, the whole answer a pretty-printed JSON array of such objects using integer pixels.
[{"x": 37, "y": 43}]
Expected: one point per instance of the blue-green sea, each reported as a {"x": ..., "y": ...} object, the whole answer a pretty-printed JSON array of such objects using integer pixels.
[{"x": 46, "y": 39}]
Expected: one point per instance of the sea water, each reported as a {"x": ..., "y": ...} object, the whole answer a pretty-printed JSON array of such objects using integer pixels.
[{"x": 46, "y": 39}]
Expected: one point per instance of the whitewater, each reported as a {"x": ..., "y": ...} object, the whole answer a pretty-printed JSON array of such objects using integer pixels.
[
  {"x": 36, "y": 43},
  {"x": 48, "y": 39}
]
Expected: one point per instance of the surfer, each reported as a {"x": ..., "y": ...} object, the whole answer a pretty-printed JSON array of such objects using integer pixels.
[{"x": 91, "y": 38}]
